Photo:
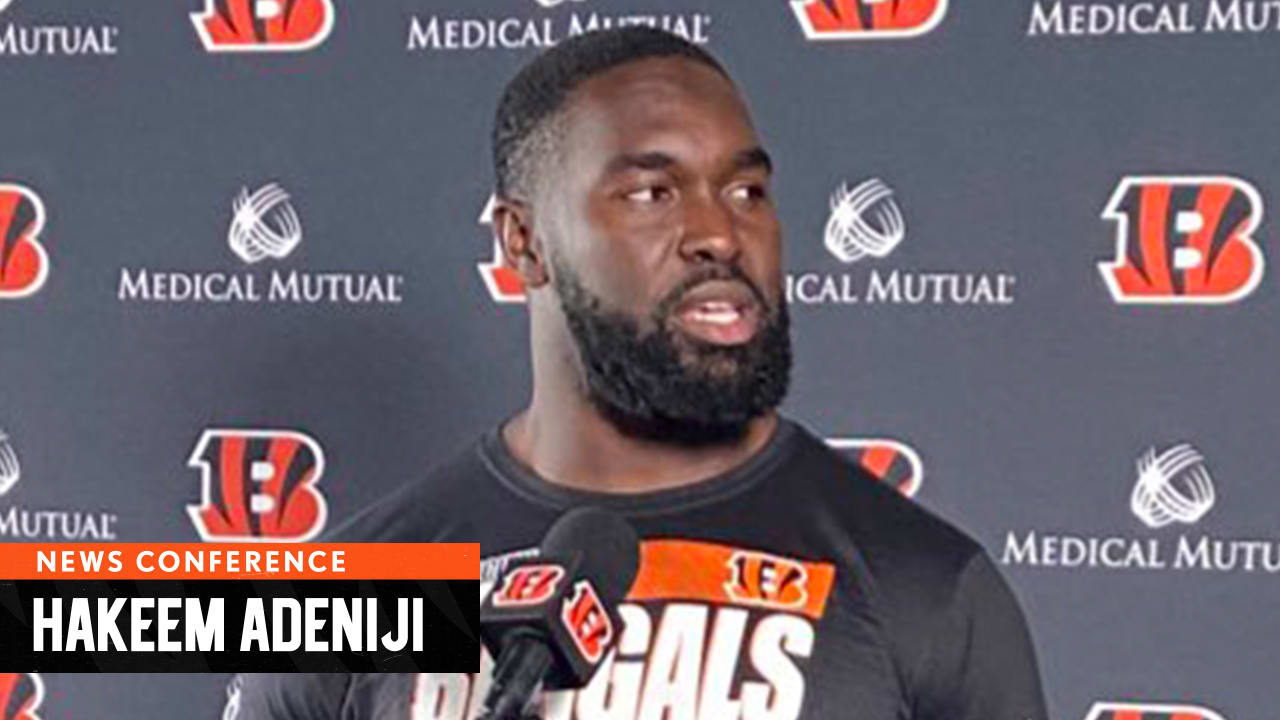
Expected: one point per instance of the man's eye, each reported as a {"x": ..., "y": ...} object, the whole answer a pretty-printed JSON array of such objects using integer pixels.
[
  {"x": 749, "y": 193},
  {"x": 650, "y": 194}
]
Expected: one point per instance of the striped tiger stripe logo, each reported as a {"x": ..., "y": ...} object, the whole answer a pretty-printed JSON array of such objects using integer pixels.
[
  {"x": 1183, "y": 239},
  {"x": 893, "y": 462},
  {"x": 258, "y": 486},
  {"x": 24, "y": 264},
  {"x": 21, "y": 695},
  {"x": 263, "y": 25},
  {"x": 867, "y": 19},
  {"x": 1150, "y": 711}
]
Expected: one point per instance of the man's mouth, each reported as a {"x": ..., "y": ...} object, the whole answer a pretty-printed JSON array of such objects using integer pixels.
[{"x": 721, "y": 312}]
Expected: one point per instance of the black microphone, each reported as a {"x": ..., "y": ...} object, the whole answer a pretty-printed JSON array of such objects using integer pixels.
[{"x": 551, "y": 619}]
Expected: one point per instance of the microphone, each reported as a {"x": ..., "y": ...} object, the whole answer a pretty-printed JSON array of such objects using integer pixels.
[{"x": 552, "y": 618}]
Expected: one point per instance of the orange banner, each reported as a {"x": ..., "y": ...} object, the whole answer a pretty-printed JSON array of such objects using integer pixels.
[
  {"x": 239, "y": 561},
  {"x": 687, "y": 570}
]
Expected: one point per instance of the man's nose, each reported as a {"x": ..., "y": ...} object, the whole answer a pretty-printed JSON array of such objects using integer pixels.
[{"x": 708, "y": 232}]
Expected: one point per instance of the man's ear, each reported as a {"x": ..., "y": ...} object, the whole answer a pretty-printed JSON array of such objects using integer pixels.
[{"x": 521, "y": 249}]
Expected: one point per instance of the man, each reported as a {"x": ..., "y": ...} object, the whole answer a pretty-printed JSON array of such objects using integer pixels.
[{"x": 778, "y": 580}]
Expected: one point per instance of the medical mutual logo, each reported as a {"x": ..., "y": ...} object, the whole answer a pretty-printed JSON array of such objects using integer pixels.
[
  {"x": 264, "y": 224},
  {"x": 1144, "y": 18},
  {"x": 1173, "y": 486},
  {"x": 263, "y": 229},
  {"x": 1173, "y": 490},
  {"x": 21, "y": 521},
  {"x": 519, "y": 24},
  {"x": 10, "y": 468},
  {"x": 864, "y": 221},
  {"x": 24, "y": 33},
  {"x": 866, "y": 224}
]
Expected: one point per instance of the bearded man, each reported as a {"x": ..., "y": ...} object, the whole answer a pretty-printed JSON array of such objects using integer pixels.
[{"x": 778, "y": 580}]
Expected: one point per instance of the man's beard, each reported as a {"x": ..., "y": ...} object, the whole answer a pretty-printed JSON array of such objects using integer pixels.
[{"x": 663, "y": 386}]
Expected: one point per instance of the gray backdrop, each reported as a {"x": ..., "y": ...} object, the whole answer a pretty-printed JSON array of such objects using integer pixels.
[{"x": 1002, "y": 143}]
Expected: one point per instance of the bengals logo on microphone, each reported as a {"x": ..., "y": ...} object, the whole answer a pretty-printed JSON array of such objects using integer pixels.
[
  {"x": 20, "y": 695},
  {"x": 258, "y": 486},
  {"x": 24, "y": 264},
  {"x": 588, "y": 624},
  {"x": 1149, "y": 711},
  {"x": 528, "y": 585},
  {"x": 1183, "y": 239},
  {"x": 867, "y": 19},
  {"x": 263, "y": 25}
]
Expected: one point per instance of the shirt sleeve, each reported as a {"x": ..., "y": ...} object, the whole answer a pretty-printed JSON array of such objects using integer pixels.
[
  {"x": 286, "y": 696},
  {"x": 981, "y": 664}
]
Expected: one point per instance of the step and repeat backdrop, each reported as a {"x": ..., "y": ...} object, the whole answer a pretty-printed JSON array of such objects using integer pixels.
[{"x": 1026, "y": 250}]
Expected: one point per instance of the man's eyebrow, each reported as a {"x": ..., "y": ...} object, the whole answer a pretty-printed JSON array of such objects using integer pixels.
[
  {"x": 639, "y": 161},
  {"x": 755, "y": 157},
  {"x": 746, "y": 159}
]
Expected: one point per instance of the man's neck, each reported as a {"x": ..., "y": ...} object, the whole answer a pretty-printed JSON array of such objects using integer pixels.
[{"x": 571, "y": 443}]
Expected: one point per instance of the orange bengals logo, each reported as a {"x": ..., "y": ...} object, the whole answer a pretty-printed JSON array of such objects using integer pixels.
[
  {"x": 713, "y": 573},
  {"x": 765, "y": 580},
  {"x": 263, "y": 25},
  {"x": 258, "y": 486},
  {"x": 867, "y": 19},
  {"x": 24, "y": 264},
  {"x": 504, "y": 283},
  {"x": 892, "y": 462},
  {"x": 529, "y": 585},
  {"x": 588, "y": 624},
  {"x": 20, "y": 695},
  {"x": 1149, "y": 711},
  {"x": 1183, "y": 239}
]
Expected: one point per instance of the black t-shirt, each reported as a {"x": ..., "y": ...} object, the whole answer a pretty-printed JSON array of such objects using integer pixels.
[{"x": 794, "y": 586}]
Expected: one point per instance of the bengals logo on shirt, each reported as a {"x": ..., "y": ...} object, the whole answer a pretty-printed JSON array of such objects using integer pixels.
[
  {"x": 867, "y": 19},
  {"x": 1149, "y": 711},
  {"x": 767, "y": 580},
  {"x": 263, "y": 25},
  {"x": 1183, "y": 239},
  {"x": 708, "y": 632},
  {"x": 258, "y": 486},
  {"x": 21, "y": 695},
  {"x": 24, "y": 264}
]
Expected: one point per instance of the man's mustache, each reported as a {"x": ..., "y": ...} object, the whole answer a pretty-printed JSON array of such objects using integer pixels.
[{"x": 670, "y": 301}]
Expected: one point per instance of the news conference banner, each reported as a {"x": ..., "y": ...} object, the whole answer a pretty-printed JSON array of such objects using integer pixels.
[{"x": 252, "y": 607}]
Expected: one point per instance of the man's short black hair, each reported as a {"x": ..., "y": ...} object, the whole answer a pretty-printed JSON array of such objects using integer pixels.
[{"x": 521, "y": 136}]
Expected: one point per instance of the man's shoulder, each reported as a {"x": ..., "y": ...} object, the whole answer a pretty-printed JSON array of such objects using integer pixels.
[
  {"x": 912, "y": 567},
  {"x": 425, "y": 508},
  {"x": 317, "y": 696},
  {"x": 264, "y": 696},
  {"x": 893, "y": 534}
]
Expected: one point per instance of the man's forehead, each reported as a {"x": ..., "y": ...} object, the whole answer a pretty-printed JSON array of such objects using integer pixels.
[
  {"x": 656, "y": 76},
  {"x": 641, "y": 100}
]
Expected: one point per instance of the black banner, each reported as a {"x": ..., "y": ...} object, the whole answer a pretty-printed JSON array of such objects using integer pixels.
[{"x": 239, "y": 626}]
